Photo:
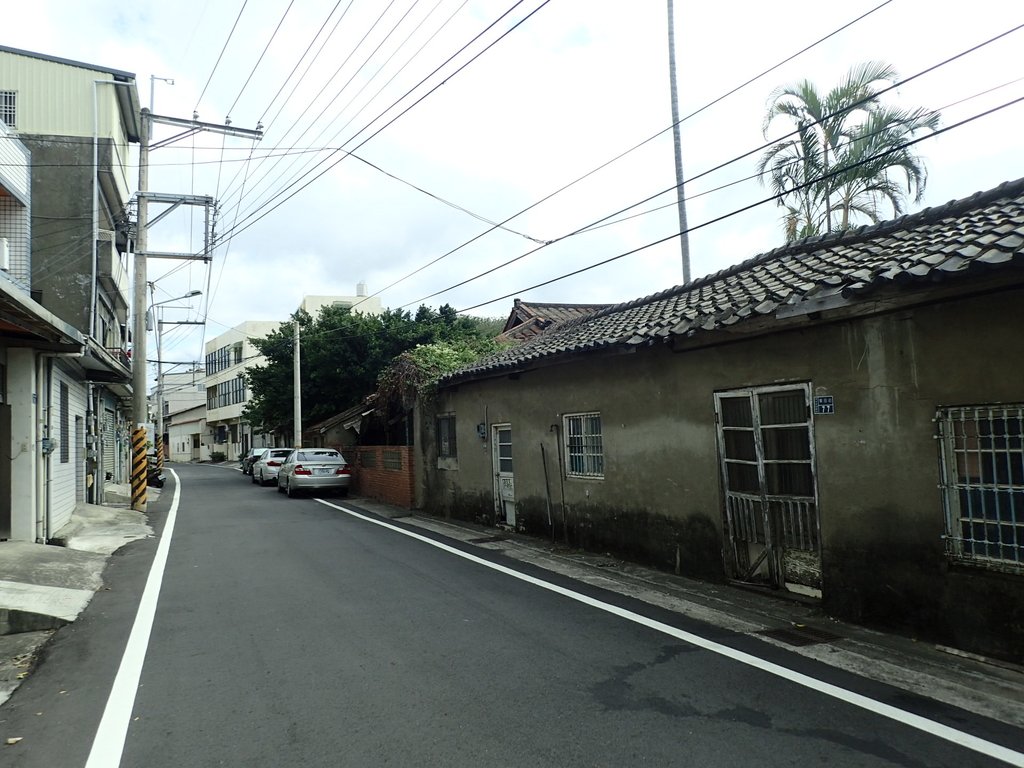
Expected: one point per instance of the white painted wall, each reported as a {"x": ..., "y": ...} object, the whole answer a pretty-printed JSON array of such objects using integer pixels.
[
  {"x": 21, "y": 391},
  {"x": 64, "y": 474}
]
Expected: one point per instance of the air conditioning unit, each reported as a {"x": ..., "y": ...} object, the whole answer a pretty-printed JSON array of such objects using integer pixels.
[{"x": 5, "y": 255}]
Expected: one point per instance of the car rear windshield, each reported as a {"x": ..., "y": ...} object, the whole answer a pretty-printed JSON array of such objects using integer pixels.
[
  {"x": 280, "y": 454},
  {"x": 319, "y": 455}
]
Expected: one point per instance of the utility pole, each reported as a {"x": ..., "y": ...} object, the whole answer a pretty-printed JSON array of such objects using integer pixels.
[
  {"x": 684, "y": 239},
  {"x": 139, "y": 467},
  {"x": 192, "y": 127},
  {"x": 296, "y": 379}
]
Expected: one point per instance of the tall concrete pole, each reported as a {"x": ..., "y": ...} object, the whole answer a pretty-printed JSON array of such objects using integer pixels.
[
  {"x": 297, "y": 432},
  {"x": 684, "y": 239},
  {"x": 139, "y": 468}
]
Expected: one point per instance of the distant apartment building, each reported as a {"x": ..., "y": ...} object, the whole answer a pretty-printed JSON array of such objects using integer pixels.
[
  {"x": 227, "y": 358},
  {"x": 65, "y": 227},
  {"x": 367, "y": 305},
  {"x": 181, "y": 394}
]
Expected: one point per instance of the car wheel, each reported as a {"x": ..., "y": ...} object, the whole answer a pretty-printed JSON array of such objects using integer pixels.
[
  {"x": 280, "y": 488},
  {"x": 253, "y": 475},
  {"x": 292, "y": 493}
]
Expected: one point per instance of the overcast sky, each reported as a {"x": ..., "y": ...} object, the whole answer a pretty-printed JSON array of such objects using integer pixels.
[{"x": 577, "y": 84}]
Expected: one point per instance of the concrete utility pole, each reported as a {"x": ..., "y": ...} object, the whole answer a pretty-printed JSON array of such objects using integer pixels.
[
  {"x": 192, "y": 127},
  {"x": 684, "y": 238},
  {"x": 139, "y": 468},
  {"x": 297, "y": 432}
]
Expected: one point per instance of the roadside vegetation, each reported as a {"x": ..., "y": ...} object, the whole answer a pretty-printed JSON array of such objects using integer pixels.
[{"x": 347, "y": 356}]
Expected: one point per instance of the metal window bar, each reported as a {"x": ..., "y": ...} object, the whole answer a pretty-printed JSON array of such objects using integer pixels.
[
  {"x": 982, "y": 465},
  {"x": 584, "y": 445}
]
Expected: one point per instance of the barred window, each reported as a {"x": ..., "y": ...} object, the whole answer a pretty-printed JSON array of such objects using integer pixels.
[
  {"x": 65, "y": 448},
  {"x": 8, "y": 113},
  {"x": 584, "y": 447},
  {"x": 446, "y": 445},
  {"x": 982, "y": 460}
]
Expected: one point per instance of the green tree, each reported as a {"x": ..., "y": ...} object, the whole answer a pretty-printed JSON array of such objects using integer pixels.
[
  {"x": 342, "y": 355},
  {"x": 847, "y": 155}
]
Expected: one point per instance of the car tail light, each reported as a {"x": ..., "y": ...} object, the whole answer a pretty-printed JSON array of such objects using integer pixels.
[
  {"x": 273, "y": 463},
  {"x": 301, "y": 470},
  {"x": 343, "y": 470}
]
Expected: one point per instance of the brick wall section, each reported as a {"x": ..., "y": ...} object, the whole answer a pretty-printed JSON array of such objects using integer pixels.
[{"x": 383, "y": 472}]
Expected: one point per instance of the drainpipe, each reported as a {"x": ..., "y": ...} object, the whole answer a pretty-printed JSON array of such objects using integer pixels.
[
  {"x": 42, "y": 465},
  {"x": 557, "y": 429}
]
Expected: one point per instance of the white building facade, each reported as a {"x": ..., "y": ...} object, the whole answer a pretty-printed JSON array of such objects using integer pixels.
[{"x": 227, "y": 358}]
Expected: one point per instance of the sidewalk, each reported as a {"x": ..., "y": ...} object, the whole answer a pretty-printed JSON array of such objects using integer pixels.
[{"x": 43, "y": 587}]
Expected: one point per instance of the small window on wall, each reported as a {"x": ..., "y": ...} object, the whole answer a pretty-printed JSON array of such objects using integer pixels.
[
  {"x": 446, "y": 446},
  {"x": 8, "y": 113},
  {"x": 982, "y": 459},
  {"x": 584, "y": 448}
]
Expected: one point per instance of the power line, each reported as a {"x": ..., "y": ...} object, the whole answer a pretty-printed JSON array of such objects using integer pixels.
[
  {"x": 259, "y": 60},
  {"x": 221, "y": 55},
  {"x": 253, "y": 218},
  {"x": 717, "y": 167},
  {"x": 632, "y": 149},
  {"x": 772, "y": 198}
]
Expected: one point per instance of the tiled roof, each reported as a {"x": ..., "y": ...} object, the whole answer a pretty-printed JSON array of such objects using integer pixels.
[
  {"x": 964, "y": 237},
  {"x": 528, "y": 319}
]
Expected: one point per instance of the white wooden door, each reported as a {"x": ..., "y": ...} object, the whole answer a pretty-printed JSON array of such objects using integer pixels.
[{"x": 504, "y": 481}]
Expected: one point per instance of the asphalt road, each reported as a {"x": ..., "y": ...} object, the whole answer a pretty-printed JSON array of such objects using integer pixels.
[{"x": 296, "y": 633}]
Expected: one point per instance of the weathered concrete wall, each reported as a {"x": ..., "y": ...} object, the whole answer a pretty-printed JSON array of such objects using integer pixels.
[
  {"x": 62, "y": 188},
  {"x": 660, "y": 500}
]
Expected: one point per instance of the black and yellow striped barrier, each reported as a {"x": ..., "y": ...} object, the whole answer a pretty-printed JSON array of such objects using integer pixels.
[
  {"x": 158, "y": 442},
  {"x": 140, "y": 469}
]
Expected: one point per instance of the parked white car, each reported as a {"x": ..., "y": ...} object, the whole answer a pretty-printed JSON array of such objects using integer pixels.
[
  {"x": 265, "y": 470},
  {"x": 314, "y": 469}
]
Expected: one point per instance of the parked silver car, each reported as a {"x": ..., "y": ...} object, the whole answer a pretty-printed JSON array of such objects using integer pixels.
[
  {"x": 313, "y": 469},
  {"x": 250, "y": 458},
  {"x": 265, "y": 470}
]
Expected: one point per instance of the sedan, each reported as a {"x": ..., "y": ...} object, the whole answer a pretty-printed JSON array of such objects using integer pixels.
[
  {"x": 314, "y": 469},
  {"x": 265, "y": 470},
  {"x": 251, "y": 457}
]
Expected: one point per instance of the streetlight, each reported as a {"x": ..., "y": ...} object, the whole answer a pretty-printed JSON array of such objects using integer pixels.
[
  {"x": 152, "y": 89},
  {"x": 157, "y": 321}
]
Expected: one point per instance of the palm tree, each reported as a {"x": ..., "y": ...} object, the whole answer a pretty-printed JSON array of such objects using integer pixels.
[{"x": 838, "y": 161}]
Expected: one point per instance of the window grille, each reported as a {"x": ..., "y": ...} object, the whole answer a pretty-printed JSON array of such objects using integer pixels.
[
  {"x": 446, "y": 445},
  {"x": 584, "y": 448},
  {"x": 65, "y": 434},
  {"x": 8, "y": 112},
  {"x": 982, "y": 462},
  {"x": 392, "y": 459}
]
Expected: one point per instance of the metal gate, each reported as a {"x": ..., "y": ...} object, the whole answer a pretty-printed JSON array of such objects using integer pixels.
[
  {"x": 766, "y": 447},
  {"x": 109, "y": 444}
]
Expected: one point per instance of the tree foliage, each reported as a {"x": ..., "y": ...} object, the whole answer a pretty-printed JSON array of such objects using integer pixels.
[
  {"x": 847, "y": 157},
  {"x": 417, "y": 371},
  {"x": 342, "y": 355}
]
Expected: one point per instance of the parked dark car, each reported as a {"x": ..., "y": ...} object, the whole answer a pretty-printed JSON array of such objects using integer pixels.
[{"x": 251, "y": 457}]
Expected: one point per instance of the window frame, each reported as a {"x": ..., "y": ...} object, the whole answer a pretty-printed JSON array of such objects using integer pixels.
[
  {"x": 986, "y": 477},
  {"x": 447, "y": 431},
  {"x": 9, "y": 106},
  {"x": 592, "y": 462}
]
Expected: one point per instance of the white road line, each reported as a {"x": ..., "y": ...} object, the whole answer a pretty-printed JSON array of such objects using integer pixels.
[
  {"x": 108, "y": 744},
  {"x": 960, "y": 738}
]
